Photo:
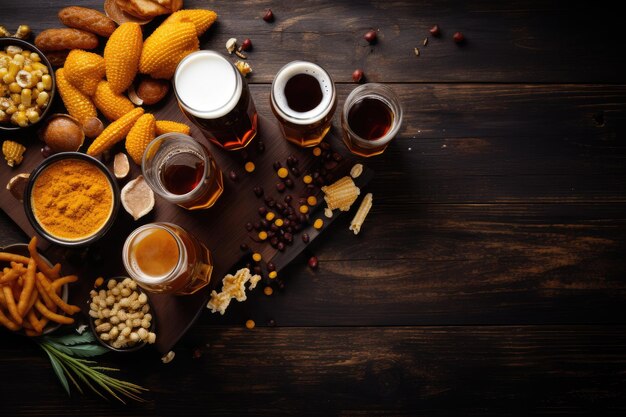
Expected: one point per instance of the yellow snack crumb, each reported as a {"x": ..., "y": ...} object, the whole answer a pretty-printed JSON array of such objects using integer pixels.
[
  {"x": 268, "y": 291},
  {"x": 318, "y": 224},
  {"x": 304, "y": 209},
  {"x": 249, "y": 166},
  {"x": 263, "y": 235},
  {"x": 317, "y": 151},
  {"x": 311, "y": 200},
  {"x": 257, "y": 257},
  {"x": 307, "y": 179},
  {"x": 282, "y": 172},
  {"x": 250, "y": 324}
]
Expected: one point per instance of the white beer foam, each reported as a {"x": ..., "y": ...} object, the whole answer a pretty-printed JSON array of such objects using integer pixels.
[
  {"x": 278, "y": 92},
  {"x": 207, "y": 85}
]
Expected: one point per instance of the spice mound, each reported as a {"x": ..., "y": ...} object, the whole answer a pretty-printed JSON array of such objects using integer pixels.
[{"x": 72, "y": 199}]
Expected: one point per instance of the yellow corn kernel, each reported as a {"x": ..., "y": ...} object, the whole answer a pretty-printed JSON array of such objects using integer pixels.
[
  {"x": 3, "y": 71},
  {"x": 32, "y": 115},
  {"x": 46, "y": 79},
  {"x": 20, "y": 119},
  {"x": 114, "y": 132},
  {"x": 166, "y": 47},
  {"x": 77, "y": 104},
  {"x": 202, "y": 19},
  {"x": 9, "y": 77},
  {"x": 168, "y": 126},
  {"x": 112, "y": 105},
  {"x": 27, "y": 68},
  {"x": 16, "y": 98},
  {"x": 140, "y": 135},
  {"x": 35, "y": 92},
  {"x": 42, "y": 99},
  {"x": 14, "y": 87},
  {"x": 84, "y": 70},
  {"x": 38, "y": 66},
  {"x": 19, "y": 59},
  {"x": 13, "y": 50},
  {"x": 13, "y": 152},
  {"x": 26, "y": 97},
  {"x": 21, "y": 107},
  {"x": 39, "y": 86},
  {"x": 11, "y": 110},
  {"x": 34, "y": 56},
  {"x": 121, "y": 56},
  {"x": 4, "y": 117}
]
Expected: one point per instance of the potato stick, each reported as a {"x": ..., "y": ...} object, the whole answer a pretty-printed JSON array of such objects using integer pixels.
[
  {"x": 31, "y": 302},
  {"x": 42, "y": 292},
  {"x": 8, "y": 295},
  {"x": 43, "y": 322},
  {"x": 11, "y": 257},
  {"x": 29, "y": 285},
  {"x": 3, "y": 301},
  {"x": 10, "y": 275},
  {"x": 68, "y": 309},
  {"x": 56, "y": 284},
  {"x": 7, "y": 322},
  {"x": 31, "y": 333},
  {"x": 52, "y": 273},
  {"x": 33, "y": 321},
  {"x": 57, "y": 318}
]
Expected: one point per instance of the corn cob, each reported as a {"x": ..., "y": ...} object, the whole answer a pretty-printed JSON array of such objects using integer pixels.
[
  {"x": 112, "y": 105},
  {"x": 202, "y": 19},
  {"x": 13, "y": 152},
  {"x": 77, "y": 104},
  {"x": 140, "y": 136},
  {"x": 166, "y": 47},
  {"x": 168, "y": 126},
  {"x": 84, "y": 70},
  {"x": 114, "y": 132},
  {"x": 121, "y": 56}
]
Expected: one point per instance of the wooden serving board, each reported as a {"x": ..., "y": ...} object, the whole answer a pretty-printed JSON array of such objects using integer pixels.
[{"x": 221, "y": 228}]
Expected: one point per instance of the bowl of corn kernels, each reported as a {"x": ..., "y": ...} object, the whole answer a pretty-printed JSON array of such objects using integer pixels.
[{"x": 27, "y": 84}]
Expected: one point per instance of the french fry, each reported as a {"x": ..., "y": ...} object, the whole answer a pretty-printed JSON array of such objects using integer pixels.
[
  {"x": 12, "y": 307},
  {"x": 27, "y": 290},
  {"x": 11, "y": 257},
  {"x": 7, "y": 322},
  {"x": 11, "y": 274},
  {"x": 44, "y": 295},
  {"x": 57, "y": 284},
  {"x": 68, "y": 309},
  {"x": 52, "y": 273},
  {"x": 32, "y": 319},
  {"x": 31, "y": 303},
  {"x": 57, "y": 318},
  {"x": 31, "y": 333}
]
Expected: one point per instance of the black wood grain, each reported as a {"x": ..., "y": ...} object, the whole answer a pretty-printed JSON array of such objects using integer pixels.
[{"x": 577, "y": 370}]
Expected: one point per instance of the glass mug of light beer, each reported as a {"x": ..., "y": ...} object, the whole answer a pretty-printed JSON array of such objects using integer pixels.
[
  {"x": 370, "y": 119},
  {"x": 164, "y": 258},
  {"x": 181, "y": 170},
  {"x": 303, "y": 99},
  {"x": 214, "y": 96}
]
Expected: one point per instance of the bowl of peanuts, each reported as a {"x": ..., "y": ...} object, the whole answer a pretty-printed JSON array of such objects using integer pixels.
[
  {"x": 120, "y": 315},
  {"x": 27, "y": 84}
]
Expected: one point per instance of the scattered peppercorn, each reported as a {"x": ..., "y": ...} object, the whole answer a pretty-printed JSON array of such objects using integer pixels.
[
  {"x": 276, "y": 165},
  {"x": 313, "y": 262},
  {"x": 258, "y": 191},
  {"x": 280, "y": 187},
  {"x": 249, "y": 166},
  {"x": 246, "y": 45},
  {"x": 232, "y": 175},
  {"x": 271, "y": 267},
  {"x": 458, "y": 37},
  {"x": 370, "y": 36},
  {"x": 289, "y": 183},
  {"x": 357, "y": 75},
  {"x": 244, "y": 247},
  {"x": 271, "y": 323},
  {"x": 268, "y": 16},
  {"x": 305, "y": 237},
  {"x": 250, "y": 324}
]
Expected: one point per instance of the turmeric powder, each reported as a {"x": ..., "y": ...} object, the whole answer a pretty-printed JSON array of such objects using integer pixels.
[{"x": 72, "y": 199}]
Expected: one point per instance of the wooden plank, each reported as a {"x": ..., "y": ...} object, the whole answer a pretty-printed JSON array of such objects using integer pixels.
[
  {"x": 515, "y": 41},
  {"x": 354, "y": 371}
]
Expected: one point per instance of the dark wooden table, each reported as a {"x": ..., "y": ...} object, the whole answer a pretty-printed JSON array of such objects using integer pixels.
[{"x": 489, "y": 277}]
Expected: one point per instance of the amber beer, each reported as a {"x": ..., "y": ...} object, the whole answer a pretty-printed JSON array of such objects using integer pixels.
[
  {"x": 214, "y": 96},
  {"x": 164, "y": 258},
  {"x": 303, "y": 100}
]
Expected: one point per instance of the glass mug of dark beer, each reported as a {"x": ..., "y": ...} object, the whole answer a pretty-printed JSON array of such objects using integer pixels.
[
  {"x": 214, "y": 96},
  {"x": 303, "y": 99}
]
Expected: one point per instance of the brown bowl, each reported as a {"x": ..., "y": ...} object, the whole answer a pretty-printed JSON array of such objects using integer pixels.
[{"x": 4, "y": 42}]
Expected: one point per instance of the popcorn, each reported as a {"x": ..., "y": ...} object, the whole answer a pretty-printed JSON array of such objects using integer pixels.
[{"x": 233, "y": 286}]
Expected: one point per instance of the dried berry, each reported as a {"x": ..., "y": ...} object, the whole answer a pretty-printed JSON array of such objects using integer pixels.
[
  {"x": 313, "y": 262},
  {"x": 268, "y": 16},
  {"x": 370, "y": 36},
  {"x": 305, "y": 237},
  {"x": 357, "y": 75},
  {"x": 246, "y": 45},
  {"x": 46, "y": 151},
  {"x": 262, "y": 211},
  {"x": 258, "y": 191},
  {"x": 458, "y": 37},
  {"x": 277, "y": 165},
  {"x": 232, "y": 175},
  {"x": 435, "y": 31},
  {"x": 271, "y": 267},
  {"x": 244, "y": 247},
  {"x": 249, "y": 227},
  {"x": 280, "y": 187}
]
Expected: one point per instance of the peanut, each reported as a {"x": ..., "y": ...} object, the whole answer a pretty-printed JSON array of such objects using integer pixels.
[{"x": 152, "y": 91}]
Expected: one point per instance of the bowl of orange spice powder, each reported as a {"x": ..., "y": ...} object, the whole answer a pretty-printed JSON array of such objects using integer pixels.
[{"x": 71, "y": 199}]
